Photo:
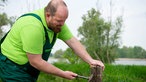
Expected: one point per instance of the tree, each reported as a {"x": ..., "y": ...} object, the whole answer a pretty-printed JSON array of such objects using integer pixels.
[
  {"x": 71, "y": 56},
  {"x": 98, "y": 36},
  {"x": 58, "y": 54},
  {"x": 138, "y": 52},
  {"x": 3, "y": 16},
  {"x": 4, "y": 21}
]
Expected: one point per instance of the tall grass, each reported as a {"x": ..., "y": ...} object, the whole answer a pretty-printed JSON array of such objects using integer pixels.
[
  {"x": 112, "y": 73},
  {"x": 124, "y": 73}
]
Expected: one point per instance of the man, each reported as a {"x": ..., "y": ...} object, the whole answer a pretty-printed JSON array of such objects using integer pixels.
[{"x": 22, "y": 51}]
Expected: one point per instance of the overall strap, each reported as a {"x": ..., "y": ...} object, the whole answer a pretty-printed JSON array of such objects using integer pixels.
[{"x": 47, "y": 48}]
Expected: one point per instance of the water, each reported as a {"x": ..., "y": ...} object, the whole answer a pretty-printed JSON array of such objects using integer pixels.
[
  {"x": 126, "y": 61},
  {"x": 121, "y": 61}
]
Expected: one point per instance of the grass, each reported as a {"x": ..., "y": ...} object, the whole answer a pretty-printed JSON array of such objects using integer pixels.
[
  {"x": 126, "y": 73},
  {"x": 112, "y": 73}
]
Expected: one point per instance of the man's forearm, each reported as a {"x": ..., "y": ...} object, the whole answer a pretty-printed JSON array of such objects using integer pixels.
[
  {"x": 42, "y": 65},
  {"x": 82, "y": 53},
  {"x": 78, "y": 48}
]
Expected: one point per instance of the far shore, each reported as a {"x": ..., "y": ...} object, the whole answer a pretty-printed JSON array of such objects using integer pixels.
[{"x": 130, "y": 59}]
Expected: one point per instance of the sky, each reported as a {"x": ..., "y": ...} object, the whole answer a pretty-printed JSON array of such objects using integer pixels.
[{"x": 133, "y": 12}]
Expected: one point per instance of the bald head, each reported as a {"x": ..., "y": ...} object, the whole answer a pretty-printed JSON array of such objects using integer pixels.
[
  {"x": 54, "y": 5},
  {"x": 56, "y": 13}
]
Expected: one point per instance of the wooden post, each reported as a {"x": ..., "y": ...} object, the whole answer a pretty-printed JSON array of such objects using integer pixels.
[{"x": 96, "y": 74}]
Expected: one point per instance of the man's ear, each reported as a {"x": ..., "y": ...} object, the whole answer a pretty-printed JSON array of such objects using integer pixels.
[{"x": 48, "y": 14}]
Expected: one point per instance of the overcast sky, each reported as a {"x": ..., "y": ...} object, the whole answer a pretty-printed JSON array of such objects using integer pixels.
[{"x": 133, "y": 11}]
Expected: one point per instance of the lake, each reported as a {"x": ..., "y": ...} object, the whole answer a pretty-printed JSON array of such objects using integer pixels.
[
  {"x": 129, "y": 61},
  {"x": 122, "y": 61}
]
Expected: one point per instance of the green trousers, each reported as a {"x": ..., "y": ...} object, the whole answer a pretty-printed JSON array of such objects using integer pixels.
[{"x": 12, "y": 72}]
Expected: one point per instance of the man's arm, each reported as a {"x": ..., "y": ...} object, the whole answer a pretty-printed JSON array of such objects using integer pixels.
[
  {"x": 37, "y": 62},
  {"x": 78, "y": 48}
]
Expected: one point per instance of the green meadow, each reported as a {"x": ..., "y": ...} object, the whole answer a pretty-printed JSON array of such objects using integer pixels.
[{"x": 112, "y": 73}]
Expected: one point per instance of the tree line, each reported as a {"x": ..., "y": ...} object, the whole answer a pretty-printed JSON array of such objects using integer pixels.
[{"x": 131, "y": 52}]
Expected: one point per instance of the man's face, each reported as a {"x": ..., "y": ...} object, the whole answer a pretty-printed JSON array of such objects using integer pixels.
[{"x": 57, "y": 21}]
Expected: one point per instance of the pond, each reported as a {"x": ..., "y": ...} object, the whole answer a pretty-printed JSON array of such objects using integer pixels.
[
  {"x": 122, "y": 61},
  {"x": 129, "y": 61}
]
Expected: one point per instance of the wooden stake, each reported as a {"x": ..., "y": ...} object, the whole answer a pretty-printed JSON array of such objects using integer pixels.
[{"x": 96, "y": 74}]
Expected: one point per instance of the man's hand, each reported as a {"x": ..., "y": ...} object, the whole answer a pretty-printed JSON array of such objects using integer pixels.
[
  {"x": 96, "y": 63},
  {"x": 69, "y": 75}
]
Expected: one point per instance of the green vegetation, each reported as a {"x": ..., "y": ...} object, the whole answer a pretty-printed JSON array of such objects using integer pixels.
[
  {"x": 112, "y": 73},
  {"x": 124, "y": 52},
  {"x": 131, "y": 52},
  {"x": 4, "y": 19},
  {"x": 120, "y": 73},
  {"x": 100, "y": 37}
]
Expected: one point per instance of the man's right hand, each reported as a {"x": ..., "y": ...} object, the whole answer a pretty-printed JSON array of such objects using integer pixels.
[{"x": 69, "y": 75}]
